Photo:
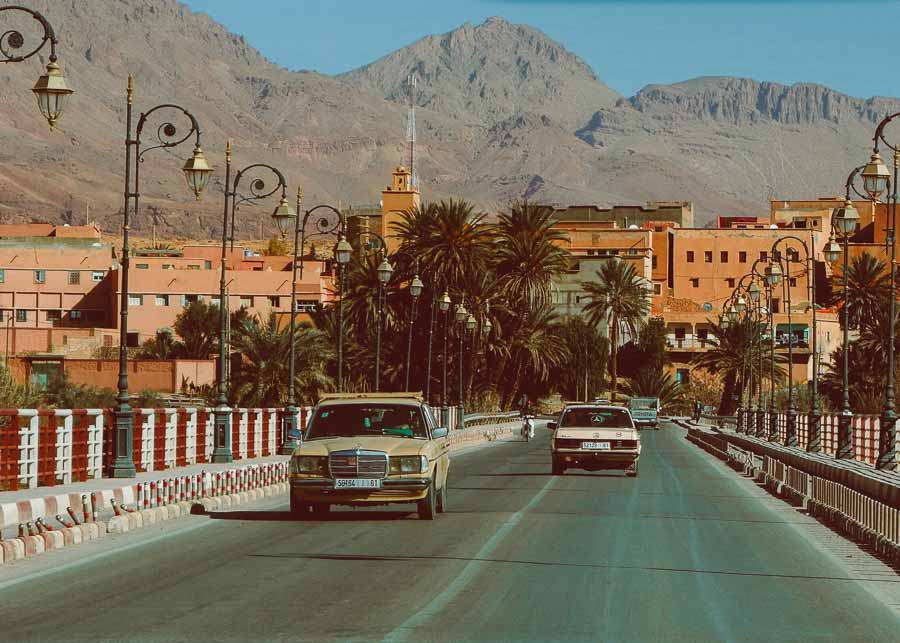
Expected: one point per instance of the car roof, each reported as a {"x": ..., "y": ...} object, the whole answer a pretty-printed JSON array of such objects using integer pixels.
[
  {"x": 399, "y": 401},
  {"x": 599, "y": 407}
]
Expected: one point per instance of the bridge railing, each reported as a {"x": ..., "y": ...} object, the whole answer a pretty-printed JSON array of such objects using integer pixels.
[
  {"x": 47, "y": 447},
  {"x": 866, "y": 432}
]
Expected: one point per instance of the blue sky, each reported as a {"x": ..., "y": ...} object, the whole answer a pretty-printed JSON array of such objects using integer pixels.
[{"x": 628, "y": 43}]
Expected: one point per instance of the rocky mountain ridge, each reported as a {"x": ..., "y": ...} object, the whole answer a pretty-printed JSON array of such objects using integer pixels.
[{"x": 504, "y": 112}]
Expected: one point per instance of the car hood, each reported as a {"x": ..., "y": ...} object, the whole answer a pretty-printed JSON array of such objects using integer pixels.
[
  {"x": 589, "y": 433},
  {"x": 390, "y": 445}
]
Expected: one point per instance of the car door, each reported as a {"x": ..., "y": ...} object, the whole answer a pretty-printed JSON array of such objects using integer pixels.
[{"x": 441, "y": 449}]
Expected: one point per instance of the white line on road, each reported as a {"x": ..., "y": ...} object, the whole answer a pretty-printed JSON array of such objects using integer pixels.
[{"x": 405, "y": 630}]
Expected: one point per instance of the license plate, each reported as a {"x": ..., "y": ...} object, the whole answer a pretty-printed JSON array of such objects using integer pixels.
[
  {"x": 596, "y": 446},
  {"x": 357, "y": 483}
]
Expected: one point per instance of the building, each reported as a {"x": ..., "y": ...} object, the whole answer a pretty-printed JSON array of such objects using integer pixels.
[{"x": 680, "y": 213}]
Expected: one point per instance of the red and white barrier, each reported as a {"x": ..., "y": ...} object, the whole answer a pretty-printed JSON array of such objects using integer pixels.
[{"x": 51, "y": 447}]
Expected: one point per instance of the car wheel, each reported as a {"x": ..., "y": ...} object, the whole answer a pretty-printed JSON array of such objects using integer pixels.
[
  {"x": 427, "y": 506},
  {"x": 298, "y": 509},
  {"x": 558, "y": 468},
  {"x": 321, "y": 509},
  {"x": 442, "y": 499}
]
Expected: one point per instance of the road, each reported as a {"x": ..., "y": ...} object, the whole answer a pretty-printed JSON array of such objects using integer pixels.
[{"x": 688, "y": 551}]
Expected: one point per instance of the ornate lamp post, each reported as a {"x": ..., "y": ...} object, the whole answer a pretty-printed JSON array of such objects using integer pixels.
[
  {"x": 772, "y": 429},
  {"x": 775, "y": 276},
  {"x": 328, "y": 221},
  {"x": 876, "y": 180},
  {"x": 51, "y": 90},
  {"x": 258, "y": 190},
  {"x": 197, "y": 173},
  {"x": 461, "y": 315},
  {"x": 844, "y": 224},
  {"x": 415, "y": 291},
  {"x": 384, "y": 270},
  {"x": 444, "y": 305}
]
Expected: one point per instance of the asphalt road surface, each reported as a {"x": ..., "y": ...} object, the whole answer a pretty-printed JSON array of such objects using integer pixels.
[{"x": 687, "y": 551}]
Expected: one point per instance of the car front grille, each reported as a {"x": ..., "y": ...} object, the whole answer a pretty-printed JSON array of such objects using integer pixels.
[
  {"x": 573, "y": 443},
  {"x": 358, "y": 464}
]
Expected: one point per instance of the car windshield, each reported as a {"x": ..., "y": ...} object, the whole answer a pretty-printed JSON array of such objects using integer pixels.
[
  {"x": 351, "y": 420},
  {"x": 596, "y": 418},
  {"x": 643, "y": 403}
]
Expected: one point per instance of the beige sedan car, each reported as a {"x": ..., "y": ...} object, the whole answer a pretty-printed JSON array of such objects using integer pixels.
[
  {"x": 595, "y": 437},
  {"x": 371, "y": 449}
]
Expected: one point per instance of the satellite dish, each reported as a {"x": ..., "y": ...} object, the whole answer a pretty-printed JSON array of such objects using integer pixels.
[
  {"x": 773, "y": 227},
  {"x": 380, "y": 203},
  {"x": 633, "y": 227},
  {"x": 707, "y": 307}
]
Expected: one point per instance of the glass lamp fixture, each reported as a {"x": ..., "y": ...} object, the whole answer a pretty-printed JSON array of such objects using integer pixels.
[
  {"x": 342, "y": 251},
  {"x": 284, "y": 216},
  {"x": 875, "y": 176},
  {"x": 197, "y": 172},
  {"x": 52, "y": 93}
]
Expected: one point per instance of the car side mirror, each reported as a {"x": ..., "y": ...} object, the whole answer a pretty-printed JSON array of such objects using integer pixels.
[
  {"x": 440, "y": 432},
  {"x": 551, "y": 426}
]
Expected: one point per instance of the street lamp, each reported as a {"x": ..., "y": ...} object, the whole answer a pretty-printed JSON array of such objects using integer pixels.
[
  {"x": 384, "y": 272},
  {"x": 51, "y": 89},
  {"x": 444, "y": 304},
  {"x": 844, "y": 224},
  {"x": 197, "y": 173},
  {"x": 258, "y": 190},
  {"x": 415, "y": 290},
  {"x": 775, "y": 276},
  {"x": 877, "y": 179}
]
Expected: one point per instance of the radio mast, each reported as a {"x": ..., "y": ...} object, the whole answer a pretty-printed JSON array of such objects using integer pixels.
[{"x": 411, "y": 129}]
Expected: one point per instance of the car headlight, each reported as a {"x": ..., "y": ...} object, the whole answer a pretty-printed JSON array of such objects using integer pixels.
[
  {"x": 409, "y": 464},
  {"x": 309, "y": 464}
]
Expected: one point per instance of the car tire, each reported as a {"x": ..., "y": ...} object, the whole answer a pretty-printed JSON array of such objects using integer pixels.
[
  {"x": 298, "y": 509},
  {"x": 442, "y": 499},
  {"x": 427, "y": 506},
  {"x": 558, "y": 468},
  {"x": 320, "y": 509}
]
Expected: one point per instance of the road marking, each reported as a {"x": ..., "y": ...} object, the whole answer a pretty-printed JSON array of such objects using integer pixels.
[{"x": 405, "y": 630}]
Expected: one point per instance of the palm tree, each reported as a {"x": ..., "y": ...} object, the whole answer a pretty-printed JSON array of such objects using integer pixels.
[
  {"x": 535, "y": 350},
  {"x": 620, "y": 299},
  {"x": 528, "y": 255},
  {"x": 585, "y": 364},
  {"x": 262, "y": 379},
  {"x": 161, "y": 346},
  {"x": 727, "y": 357},
  {"x": 867, "y": 289},
  {"x": 658, "y": 384}
]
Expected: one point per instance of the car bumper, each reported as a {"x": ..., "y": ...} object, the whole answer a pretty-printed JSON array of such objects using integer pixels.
[
  {"x": 597, "y": 460},
  {"x": 393, "y": 490}
]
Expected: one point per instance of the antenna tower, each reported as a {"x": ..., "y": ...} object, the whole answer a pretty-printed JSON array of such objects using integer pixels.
[{"x": 411, "y": 129}]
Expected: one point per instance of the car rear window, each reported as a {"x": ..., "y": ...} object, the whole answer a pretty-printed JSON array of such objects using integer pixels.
[
  {"x": 596, "y": 418},
  {"x": 643, "y": 403}
]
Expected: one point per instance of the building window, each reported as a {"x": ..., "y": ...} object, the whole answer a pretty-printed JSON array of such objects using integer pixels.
[
  {"x": 695, "y": 282},
  {"x": 143, "y": 266},
  {"x": 707, "y": 256},
  {"x": 74, "y": 277},
  {"x": 194, "y": 266},
  {"x": 2, "y": 315},
  {"x": 679, "y": 334},
  {"x": 683, "y": 376},
  {"x": 215, "y": 300},
  {"x": 54, "y": 315},
  {"x": 186, "y": 300},
  {"x": 702, "y": 334},
  {"x": 730, "y": 282},
  {"x": 793, "y": 255},
  {"x": 2, "y": 275},
  {"x": 763, "y": 256},
  {"x": 274, "y": 302},
  {"x": 21, "y": 316},
  {"x": 793, "y": 282},
  {"x": 306, "y": 306},
  {"x": 135, "y": 300},
  {"x": 723, "y": 256},
  {"x": 167, "y": 266},
  {"x": 97, "y": 275},
  {"x": 742, "y": 256},
  {"x": 207, "y": 265},
  {"x": 776, "y": 256},
  {"x": 653, "y": 262},
  {"x": 246, "y": 302},
  {"x": 132, "y": 339},
  {"x": 690, "y": 256},
  {"x": 74, "y": 314},
  {"x": 40, "y": 276},
  {"x": 776, "y": 306},
  {"x": 162, "y": 300},
  {"x": 657, "y": 289}
]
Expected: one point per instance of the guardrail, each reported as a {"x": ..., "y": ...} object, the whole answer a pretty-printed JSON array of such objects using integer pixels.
[
  {"x": 866, "y": 431},
  {"x": 861, "y": 516},
  {"x": 47, "y": 447}
]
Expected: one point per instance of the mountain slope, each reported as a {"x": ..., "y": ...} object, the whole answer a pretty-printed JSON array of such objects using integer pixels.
[{"x": 504, "y": 113}]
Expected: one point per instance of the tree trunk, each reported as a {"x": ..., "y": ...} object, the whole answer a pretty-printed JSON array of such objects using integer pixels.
[
  {"x": 726, "y": 403},
  {"x": 614, "y": 351}
]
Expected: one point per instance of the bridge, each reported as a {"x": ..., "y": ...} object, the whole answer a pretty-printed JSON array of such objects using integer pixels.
[{"x": 692, "y": 549}]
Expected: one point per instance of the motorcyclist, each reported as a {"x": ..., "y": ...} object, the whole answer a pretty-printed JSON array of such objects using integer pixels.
[{"x": 528, "y": 428}]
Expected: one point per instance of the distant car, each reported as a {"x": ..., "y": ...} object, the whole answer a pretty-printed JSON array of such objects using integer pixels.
[
  {"x": 595, "y": 437},
  {"x": 645, "y": 411},
  {"x": 600, "y": 400},
  {"x": 371, "y": 449}
]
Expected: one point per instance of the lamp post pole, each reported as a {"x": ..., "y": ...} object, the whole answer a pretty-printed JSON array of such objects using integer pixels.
[
  {"x": 384, "y": 271},
  {"x": 430, "y": 339},
  {"x": 461, "y": 316},
  {"x": 258, "y": 190},
  {"x": 51, "y": 90},
  {"x": 444, "y": 305},
  {"x": 197, "y": 172},
  {"x": 415, "y": 290},
  {"x": 876, "y": 180}
]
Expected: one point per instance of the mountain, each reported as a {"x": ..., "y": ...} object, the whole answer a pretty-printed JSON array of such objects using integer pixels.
[{"x": 503, "y": 112}]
